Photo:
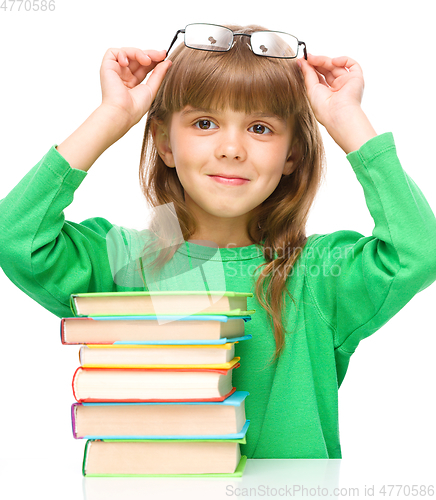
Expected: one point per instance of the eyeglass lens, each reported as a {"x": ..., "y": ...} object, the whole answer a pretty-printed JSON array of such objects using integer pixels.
[
  {"x": 208, "y": 37},
  {"x": 219, "y": 38},
  {"x": 274, "y": 44}
]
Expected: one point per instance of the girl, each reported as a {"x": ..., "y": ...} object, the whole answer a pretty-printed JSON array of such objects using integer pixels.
[{"x": 235, "y": 114}]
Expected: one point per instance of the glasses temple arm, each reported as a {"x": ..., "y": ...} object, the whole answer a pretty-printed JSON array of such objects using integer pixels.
[
  {"x": 174, "y": 40},
  {"x": 304, "y": 49}
]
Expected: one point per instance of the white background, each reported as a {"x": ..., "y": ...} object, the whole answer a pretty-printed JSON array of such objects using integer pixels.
[{"x": 49, "y": 84}]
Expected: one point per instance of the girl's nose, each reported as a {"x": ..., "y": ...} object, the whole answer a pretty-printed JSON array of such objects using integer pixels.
[{"x": 231, "y": 146}]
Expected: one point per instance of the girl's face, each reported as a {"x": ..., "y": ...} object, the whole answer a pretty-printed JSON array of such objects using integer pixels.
[{"x": 204, "y": 144}]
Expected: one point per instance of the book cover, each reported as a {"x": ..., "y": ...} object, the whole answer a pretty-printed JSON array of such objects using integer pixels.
[
  {"x": 177, "y": 303},
  {"x": 148, "y": 329},
  {"x": 113, "y": 452},
  {"x": 213, "y": 419},
  {"x": 112, "y": 376},
  {"x": 119, "y": 359}
]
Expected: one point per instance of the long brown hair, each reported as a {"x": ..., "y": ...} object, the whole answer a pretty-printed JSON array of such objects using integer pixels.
[{"x": 244, "y": 82}]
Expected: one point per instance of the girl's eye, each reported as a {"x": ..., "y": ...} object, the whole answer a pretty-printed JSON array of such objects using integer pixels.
[
  {"x": 204, "y": 124},
  {"x": 260, "y": 129},
  {"x": 209, "y": 124}
]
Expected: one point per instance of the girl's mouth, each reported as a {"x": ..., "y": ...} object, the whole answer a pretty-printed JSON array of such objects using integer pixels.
[{"x": 229, "y": 181}]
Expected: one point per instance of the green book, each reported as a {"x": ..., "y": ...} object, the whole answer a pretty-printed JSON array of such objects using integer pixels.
[
  {"x": 174, "y": 303},
  {"x": 164, "y": 458}
]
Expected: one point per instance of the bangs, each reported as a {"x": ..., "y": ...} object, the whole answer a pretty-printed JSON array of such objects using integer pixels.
[{"x": 237, "y": 79}]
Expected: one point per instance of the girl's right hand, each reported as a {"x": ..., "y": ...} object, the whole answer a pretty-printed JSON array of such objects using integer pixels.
[{"x": 121, "y": 74}]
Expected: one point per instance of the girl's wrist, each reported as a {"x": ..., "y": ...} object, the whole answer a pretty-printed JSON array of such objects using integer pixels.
[
  {"x": 98, "y": 132},
  {"x": 116, "y": 122},
  {"x": 351, "y": 130}
]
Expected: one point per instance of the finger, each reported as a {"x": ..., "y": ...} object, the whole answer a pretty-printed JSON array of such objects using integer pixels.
[
  {"x": 329, "y": 78},
  {"x": 146, "y": 61},
  {"x": 321, "y": 61},
  {"x": 120, "y": 56},
  {"x": 133, "y": 57},
  {"x": 349, "y": 64},
  {"x": 311, "y": 76},
  {"x": 157, "y": 76},
  {"x": 325, "y": 66},
  {"x": 132, "y": 64},
  {"x": 136, "y": 54},
  {"x": 147, "y": 91},
  {"x": 156, "y": 55},
  {"x": 353, "y": 68}
]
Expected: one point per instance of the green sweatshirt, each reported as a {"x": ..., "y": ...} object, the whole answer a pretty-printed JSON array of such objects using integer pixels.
[{"x": 345, "y": 287}]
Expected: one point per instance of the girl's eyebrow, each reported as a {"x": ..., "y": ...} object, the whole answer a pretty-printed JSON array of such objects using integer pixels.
[{"x": 259, "y": 114}]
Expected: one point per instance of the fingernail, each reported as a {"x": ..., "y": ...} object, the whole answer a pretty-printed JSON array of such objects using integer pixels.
[{"x": 299, "y": 63}]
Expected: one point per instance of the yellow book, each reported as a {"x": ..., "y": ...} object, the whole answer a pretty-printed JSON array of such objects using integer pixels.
[{"x": 221, "y": 356}]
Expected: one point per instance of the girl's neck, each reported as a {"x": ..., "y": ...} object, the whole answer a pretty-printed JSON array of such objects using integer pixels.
[
  {"x": 221, "y": 232},
  {"x": 213, "y": 240}
]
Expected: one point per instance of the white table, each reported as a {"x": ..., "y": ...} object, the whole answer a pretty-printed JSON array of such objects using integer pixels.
[{"x": 27, "y": 478}]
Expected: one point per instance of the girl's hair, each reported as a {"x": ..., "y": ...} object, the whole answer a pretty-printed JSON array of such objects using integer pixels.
[{"x": 243, "y": 81}]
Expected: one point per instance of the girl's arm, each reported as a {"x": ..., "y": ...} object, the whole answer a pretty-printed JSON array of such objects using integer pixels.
[
  {"x": 124, "y": 102},
  {"x": 97, "y": 133},
  {"x": 42, "y": 254},
  {"x": 357, "y": 283}
]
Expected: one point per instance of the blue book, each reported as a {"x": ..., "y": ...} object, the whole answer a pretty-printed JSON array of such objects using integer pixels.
[
  {"x": 211, "y": 420},
  {"x": 152, "y": 329}
]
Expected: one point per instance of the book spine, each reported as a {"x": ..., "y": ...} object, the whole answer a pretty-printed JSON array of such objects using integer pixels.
[
  {"x": 73, "y": 382},
  {"x": 73, "y": 305},
  {"x": 217, "y": 370},
  {"x": 73, "y": 419},
  {"x": 62, "y": 331},
  {"x": 85, "y": 457},
  {"x": 93, "y": 400}
]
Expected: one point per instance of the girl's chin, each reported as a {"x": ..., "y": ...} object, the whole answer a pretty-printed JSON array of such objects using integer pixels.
[{"x": 219, "y": 206}]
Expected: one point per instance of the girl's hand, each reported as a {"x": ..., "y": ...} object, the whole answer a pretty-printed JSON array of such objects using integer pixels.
[
  {"x": 334, "y": 87},
  {"x": 335, "y": 90},
  {"x": 121, "y": 74}
]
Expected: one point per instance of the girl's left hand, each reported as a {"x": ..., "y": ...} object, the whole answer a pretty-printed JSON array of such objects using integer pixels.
[{"x": 339, "y": 94}]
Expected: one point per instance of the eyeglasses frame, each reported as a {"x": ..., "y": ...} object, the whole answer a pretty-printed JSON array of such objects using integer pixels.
[{"x": 242, "y": 34}]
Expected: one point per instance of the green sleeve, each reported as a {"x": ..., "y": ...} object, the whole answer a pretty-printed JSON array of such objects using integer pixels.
[
  {"x": 46, "y": 256},
  {"x": 358, "y": 283}
]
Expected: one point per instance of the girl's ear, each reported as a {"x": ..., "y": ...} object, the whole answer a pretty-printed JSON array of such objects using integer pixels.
[
  {"x": 292, "y": 161},
  {"x": 161, "y": 140}
]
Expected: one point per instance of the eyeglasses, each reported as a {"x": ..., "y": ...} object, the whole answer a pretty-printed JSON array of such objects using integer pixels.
[{"x": 221, "y": 39}]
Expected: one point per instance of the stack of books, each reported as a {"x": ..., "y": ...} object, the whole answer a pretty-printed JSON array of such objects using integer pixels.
[{"x": 154, "y": 390}]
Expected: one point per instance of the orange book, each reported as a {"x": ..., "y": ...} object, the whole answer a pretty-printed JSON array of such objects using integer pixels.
[{"x": 152, "y": 384}]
